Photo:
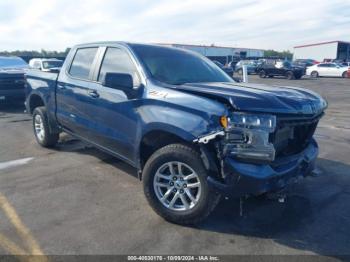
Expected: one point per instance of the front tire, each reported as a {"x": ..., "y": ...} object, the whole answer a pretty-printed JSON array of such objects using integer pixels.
[
  {"x": 262, "y": 74},
  {"x": 42, "y": 132},
  {"x": 345, "y": 74},
  {"x": 175, "y": 185},
  {"x": 290, "y": 75}
]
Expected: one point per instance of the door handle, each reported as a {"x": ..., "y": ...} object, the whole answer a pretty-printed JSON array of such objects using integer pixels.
[
  {"x": 61, "y": 87},
  {"x": 93, "y": 93}
]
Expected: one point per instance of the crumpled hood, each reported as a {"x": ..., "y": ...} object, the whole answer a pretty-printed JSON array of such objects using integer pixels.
[{"x": 261, "y": 98}]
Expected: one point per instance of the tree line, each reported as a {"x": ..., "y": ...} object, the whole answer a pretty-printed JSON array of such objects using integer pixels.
[
  {"x": 33, "y": 53},
  {"x": 273, "y": 53},
  {"x": 45, "y": 53}
]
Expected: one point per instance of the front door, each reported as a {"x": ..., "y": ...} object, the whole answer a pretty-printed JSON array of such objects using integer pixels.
[{"x": 114, "y": 116}]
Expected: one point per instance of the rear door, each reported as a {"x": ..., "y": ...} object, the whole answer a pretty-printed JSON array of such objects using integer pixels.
[
  {"x": 322, "y": 70},
  {"x": 73, "y": 96},
  {"x": 334, "y": 70}
]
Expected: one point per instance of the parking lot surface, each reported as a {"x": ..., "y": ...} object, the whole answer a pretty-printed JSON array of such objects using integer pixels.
[{"x": 75, "y": 199}]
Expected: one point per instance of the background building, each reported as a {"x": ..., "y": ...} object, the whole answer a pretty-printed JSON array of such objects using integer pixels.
[
  {"x": 326, "y": 50},
  {"x": 222, "y": 54}
]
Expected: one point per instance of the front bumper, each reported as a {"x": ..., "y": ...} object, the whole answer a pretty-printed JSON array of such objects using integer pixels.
[{"x": 255, "y": 179}]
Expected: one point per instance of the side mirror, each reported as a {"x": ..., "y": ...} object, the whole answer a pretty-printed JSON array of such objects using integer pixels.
[
  {"x": 118, "y": 81},
  {"x": 54, "y": 70}
]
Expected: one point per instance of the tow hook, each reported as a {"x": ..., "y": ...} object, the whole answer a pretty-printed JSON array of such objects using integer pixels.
[
  {"x": 280, "y": 196},
  {"x": 316, "y": 172}
]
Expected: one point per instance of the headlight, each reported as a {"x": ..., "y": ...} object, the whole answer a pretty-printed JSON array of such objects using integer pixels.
[
  {"x": 264, "y": 122},
  {"x": 247, "y": 136}
]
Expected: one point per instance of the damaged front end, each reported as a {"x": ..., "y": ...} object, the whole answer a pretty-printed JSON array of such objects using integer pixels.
[{"x": 258, "y": 153}]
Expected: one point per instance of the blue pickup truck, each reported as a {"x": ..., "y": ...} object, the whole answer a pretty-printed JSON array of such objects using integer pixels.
[
  {"x": 193, "y": 133},
  {"x": 12, "y": 80}
]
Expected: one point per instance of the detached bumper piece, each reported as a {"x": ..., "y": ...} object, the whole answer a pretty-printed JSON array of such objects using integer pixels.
[{"x": 254, "y": 179}]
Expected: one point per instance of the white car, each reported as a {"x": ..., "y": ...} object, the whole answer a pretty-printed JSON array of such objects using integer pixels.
[
  {"x": 45, "y": 64},
  {"x": 327, "y": 69}
]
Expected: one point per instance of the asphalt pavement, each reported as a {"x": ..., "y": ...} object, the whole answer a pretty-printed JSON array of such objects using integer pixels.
[{"x": 75, "y": 199}]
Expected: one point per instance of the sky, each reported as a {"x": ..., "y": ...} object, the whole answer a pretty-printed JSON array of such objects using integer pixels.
[{"x": 275, "y": 24}]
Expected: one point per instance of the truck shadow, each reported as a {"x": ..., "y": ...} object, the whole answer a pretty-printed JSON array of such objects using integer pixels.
[{"x": 315, "y": 216}]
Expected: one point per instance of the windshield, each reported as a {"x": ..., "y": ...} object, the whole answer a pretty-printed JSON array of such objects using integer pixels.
[
  {"x": 287, "y": 64},
  {"x": 52, "y": 64},
  {"x": 12, "y": 62},
  {"x": 177, "y": 67}
]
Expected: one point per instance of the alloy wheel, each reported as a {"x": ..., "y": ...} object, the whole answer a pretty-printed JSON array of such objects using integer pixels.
[{"x": 177, "y": 186}]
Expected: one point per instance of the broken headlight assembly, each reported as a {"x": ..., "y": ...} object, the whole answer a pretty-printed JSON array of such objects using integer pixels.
[{"x": 247, "y": 136}]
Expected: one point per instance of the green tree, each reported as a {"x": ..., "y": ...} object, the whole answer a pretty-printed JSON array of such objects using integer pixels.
[{"x": 284, "y": 54}]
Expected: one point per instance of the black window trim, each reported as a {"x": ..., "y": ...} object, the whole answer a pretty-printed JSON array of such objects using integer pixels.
[
  {"x": 92, "y": 68},
  {"x": 101, "y": 58}
]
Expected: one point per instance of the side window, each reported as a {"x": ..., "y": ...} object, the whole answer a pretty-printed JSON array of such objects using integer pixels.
[
  {"x": 82, "y": 62},
  {"x": 322, "y": 65},
  {"x": 118, "y": 61},
  {"x": 37, "y": 65}
]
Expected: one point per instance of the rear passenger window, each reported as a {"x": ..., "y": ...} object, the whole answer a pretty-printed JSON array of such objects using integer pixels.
[
  {"x": 82, "y": 62},
  {"x": 118, "y": 61}
]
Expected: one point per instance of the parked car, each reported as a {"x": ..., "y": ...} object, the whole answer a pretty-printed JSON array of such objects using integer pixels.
[
  {"x": 305, "y": 62},
  {"x": 273, "y": 68},
  {"x": 327, "y": 69},
  {"x": 345, "y": 64},
  {"x": 45, "y": 64},
  {"x": 12, "y": 82},
  {"x": 190, "y": 130},
  {"x": 227, "y": 69},
  {"x": 234, "y": 61},
  {"x": 251, "y": 66}
]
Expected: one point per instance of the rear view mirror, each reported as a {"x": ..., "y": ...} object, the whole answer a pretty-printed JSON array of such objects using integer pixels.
[{"x": 118, "y": 81}]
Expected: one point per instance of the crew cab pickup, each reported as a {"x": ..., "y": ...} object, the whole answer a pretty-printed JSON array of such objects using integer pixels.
[{"x": 193, "y": 133}]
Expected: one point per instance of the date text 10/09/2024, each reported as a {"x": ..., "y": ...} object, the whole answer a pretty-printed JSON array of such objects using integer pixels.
[{"x": 173, "y": 258}]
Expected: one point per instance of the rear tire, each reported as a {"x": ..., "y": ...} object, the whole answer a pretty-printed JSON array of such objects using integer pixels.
[
  {"x": 262, "y": 74},
  {"x": 170, "y": 169},
  {"x": 42, "y": 132},
  {"x": 345, "y": 74},
  {"x": 290, "y": 75},
  {"x": 314, "y": 74}
]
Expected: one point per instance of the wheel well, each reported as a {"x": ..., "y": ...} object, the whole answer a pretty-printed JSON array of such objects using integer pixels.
[
  {"x": 155, "y": 140},
  {"x": 34, "y": 102}
]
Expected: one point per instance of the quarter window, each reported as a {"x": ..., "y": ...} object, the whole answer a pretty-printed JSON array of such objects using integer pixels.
[
  {"x": 82, "y": 62},
  {"x": 117, "y": 61}
]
